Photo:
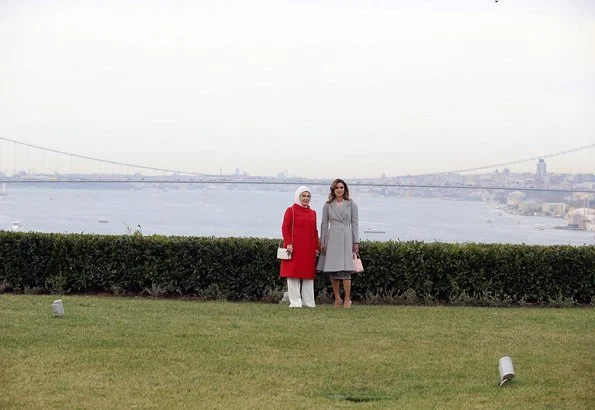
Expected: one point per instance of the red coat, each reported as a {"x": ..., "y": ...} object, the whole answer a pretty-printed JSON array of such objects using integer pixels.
[{"x": 302, "y": 264}]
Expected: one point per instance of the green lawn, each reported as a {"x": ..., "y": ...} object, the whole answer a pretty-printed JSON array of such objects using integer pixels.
[{"x": 109, "y": 352}]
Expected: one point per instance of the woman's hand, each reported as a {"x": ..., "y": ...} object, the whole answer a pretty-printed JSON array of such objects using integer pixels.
[
  {"x": 289, "y": 249},
  {"x": 356, "y": 248},
  {"x": 316, "y": 253}
]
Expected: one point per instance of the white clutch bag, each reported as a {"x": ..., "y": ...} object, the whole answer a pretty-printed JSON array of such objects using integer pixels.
[{"x": 283, "y": 254}]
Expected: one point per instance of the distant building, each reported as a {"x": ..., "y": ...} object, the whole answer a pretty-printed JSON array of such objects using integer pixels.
[
  {"x": 583, "y": 196},
  {"x": 582, "y": 218},
  {"x": 529, "y": 208},
  {"x": 541, "y": 172},
  {"x": 554, "y": 208},
  {"x": 583, "y": 178}
]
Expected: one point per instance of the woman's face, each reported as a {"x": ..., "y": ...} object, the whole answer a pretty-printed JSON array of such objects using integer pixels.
[
  {"x": 305, "y": 198},
  {"x": 339, "y": 190}
]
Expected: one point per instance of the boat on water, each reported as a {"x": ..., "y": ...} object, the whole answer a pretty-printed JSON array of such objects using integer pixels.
[
  {"x": 102, "y": 221},
  {"x": 541, "y": 227},
  {"x": 16, "y": 226},
  {"x": 372, "y": 230}
]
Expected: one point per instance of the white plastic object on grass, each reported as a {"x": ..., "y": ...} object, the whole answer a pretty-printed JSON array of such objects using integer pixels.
[
  {"x": 506, "y": 369},
  {"x": 58, "y": 307}
]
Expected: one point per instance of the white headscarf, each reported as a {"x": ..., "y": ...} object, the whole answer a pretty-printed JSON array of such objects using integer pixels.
[{"x": 298, "y": 192}]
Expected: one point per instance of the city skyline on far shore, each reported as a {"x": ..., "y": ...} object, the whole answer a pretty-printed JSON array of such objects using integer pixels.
[{"x": 542, "y": 172}]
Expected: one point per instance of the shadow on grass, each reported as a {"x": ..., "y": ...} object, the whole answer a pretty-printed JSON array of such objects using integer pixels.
[{"x": 361, "y": 396}]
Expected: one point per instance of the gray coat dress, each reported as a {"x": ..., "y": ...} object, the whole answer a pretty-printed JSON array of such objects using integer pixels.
[{"x": 338, "y": 232}]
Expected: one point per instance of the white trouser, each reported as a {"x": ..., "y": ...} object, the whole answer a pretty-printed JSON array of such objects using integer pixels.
[{"x": 305, "y": 297}]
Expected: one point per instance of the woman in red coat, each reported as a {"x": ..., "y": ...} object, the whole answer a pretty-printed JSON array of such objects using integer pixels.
[{"x": 301, "y": 240}]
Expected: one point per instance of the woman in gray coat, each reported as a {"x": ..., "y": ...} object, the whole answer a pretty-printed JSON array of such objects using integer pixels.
[{"x": 339, "y": 239}]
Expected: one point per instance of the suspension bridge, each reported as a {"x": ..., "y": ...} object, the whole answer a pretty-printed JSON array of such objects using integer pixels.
[{"x": 22, "y": 162}]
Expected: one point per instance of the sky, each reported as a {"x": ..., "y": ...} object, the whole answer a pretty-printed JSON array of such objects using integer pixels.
[{"x": 328, "y": 88}]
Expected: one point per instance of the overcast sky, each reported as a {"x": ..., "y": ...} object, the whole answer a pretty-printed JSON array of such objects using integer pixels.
[{"x": 314, "y": 88}]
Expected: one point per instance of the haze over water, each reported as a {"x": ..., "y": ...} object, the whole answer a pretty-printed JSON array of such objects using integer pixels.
[{"x": 251, "y": 213}]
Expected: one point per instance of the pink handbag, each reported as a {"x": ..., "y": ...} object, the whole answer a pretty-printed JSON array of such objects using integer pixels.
[{"x": 357, "y": 263}]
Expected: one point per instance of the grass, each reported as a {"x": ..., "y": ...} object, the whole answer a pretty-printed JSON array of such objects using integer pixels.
[{"x": 109, "y": 352}]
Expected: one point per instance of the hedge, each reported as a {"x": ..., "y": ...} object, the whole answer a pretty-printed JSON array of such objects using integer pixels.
[{"x": 246, "y": 269}]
